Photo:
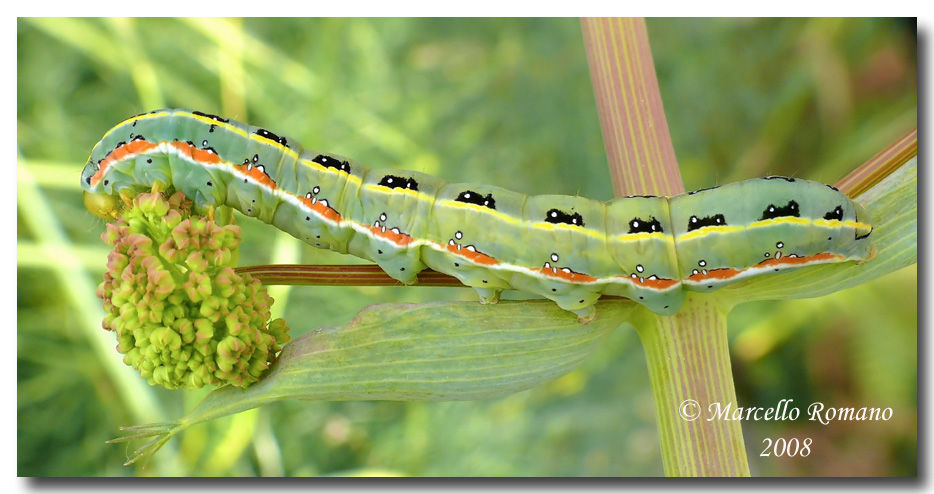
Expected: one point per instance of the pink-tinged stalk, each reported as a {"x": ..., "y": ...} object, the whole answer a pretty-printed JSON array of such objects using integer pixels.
[
  {"x": 687, "y": 354},
  {"x": 881, "y": 165},
  {"x": 338, "y": 275},
  {"x": 635, "y": 130}
]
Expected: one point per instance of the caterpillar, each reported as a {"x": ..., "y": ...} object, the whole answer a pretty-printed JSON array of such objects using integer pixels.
[{"x": 568, "y": 249}]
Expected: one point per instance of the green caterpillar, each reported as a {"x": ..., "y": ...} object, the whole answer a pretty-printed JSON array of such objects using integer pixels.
[{"x": 568, "y": 249}]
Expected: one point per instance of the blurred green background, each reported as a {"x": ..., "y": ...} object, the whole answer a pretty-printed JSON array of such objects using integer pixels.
[{"x": 501, "y": 101}]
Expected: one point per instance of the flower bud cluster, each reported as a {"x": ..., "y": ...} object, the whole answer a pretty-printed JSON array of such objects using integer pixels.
[{"x": 182, "y": 316}]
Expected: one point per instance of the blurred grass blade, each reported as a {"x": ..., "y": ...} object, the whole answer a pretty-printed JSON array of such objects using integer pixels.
[
  {"x": 69, "y": 272},
  {"x": 635, "y": 130},
  {"x": 430, "y": 352}
]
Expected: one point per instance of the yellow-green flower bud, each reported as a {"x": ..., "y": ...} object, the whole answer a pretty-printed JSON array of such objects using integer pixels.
[{"x": 183, "y": 316}]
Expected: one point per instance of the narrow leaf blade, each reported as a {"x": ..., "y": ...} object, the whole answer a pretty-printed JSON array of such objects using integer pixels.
[{"x": 427, "y": 352}]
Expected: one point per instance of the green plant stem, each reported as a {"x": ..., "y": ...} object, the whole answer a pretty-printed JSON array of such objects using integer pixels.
[
  {"x": 688, "y": 359},
  {"x": 688, "y": 354}
]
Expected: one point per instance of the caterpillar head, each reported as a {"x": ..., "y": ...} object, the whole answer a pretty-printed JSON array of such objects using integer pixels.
[{"x": 104, "y": 206}]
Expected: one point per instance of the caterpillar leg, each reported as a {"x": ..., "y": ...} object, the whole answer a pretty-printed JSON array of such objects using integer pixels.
[
  {"x": 581, "y": 302},
  {"x": 586, "y": 315},
  {"x": 576, "y": 298},
  {"x": 488, "y": 296},
  {"x": 872, "y": 254},
  {"x": 127, "y": 199},
  {"x": 403, "y": 266},
  {"x": 486, "y": 282}
]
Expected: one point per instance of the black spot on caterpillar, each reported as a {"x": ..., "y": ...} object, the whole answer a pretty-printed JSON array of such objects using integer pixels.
[
  {"x": 773, "y": 211},
  {"x": 637, "y": 225},
  {"x": 560, "y": 217},
  {"x": 471, "y": 197},
  {"x": 212, "y": 117},
  {"x": 330, "y": 162},
  {"x": 836, "y": 214},
  {"x": 272, "y": 137},
  {"x": 395, "y": 182},
  {"x": 696, "y": 223}
]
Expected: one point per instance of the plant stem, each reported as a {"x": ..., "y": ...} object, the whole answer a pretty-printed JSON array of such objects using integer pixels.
[
  {"x": 635, "y": 129},
  {"x": 689, "y": 359},
  {"x": 688, "y": 354},
  {"x": 883, "y": 164},
  {"x": 339, "y": 275}
]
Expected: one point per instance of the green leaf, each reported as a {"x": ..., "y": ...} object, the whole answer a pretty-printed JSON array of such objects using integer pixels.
[{"x": 429, "y": 352}]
